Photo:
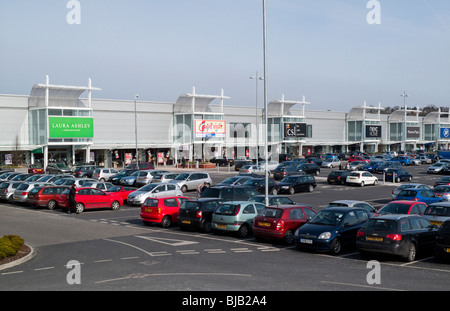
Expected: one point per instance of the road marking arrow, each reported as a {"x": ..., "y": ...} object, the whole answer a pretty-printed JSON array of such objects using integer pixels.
[{"x": 171, "y": 242}]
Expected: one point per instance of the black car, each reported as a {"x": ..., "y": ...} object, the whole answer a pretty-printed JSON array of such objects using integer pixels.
[
  {"x": 309, "y": 168},
  {"x": 442, "y": 181},
  {"x": 197, "y": 214},
  {"x": 316, "y": 160},
  {"x": 337, "y": 177},
  {"x": 442, "y": 248},
  {"x": 239, "y": 164},
  {"x": 401, "y": 235},
  {"x": 229, "y": 193},
  {"x": 222, "y": 161},
  {"x": 273, "y": 199},
  {"x": 282, "y": 171},
  {"x": 295, "y": 183},
  {"x": 115, "y": 179},
  {"x": 397, "y": 175},
  {"x": 85, "y": 171},
  {"x": 235, "y": 180},
  {"x": 260, "y": 185}
]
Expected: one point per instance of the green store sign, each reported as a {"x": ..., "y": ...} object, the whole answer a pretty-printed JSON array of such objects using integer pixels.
[{"x": 71, "y": 127}]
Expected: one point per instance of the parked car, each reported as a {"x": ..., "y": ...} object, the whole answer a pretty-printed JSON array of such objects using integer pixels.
[
  {"x": 316, "y": 160},
  {"x": 420, "y": 195},
  {"x": 361, "y": 178},
  {"x": 197, "y": 214},
  {"x": 145, "y": 177},
  {"x": 115, "y": 179},
  {"x": 260, "y": 185},
  {"x": 57, "y": 177},
  {"x": 35, "y": 169},
  {"x": 438, "y": 168},
  {"x": 272, "y": 165},
  {"x": 357, "y": 158},
  {"x": 443, "y": 192},
  {"x": 280, "y": 222},
  {"x": 21, "y": 193},
  {"x": 154, "y": 190},
  {"x": 338, "y": 177},
  {"x": 7, "y": 189},
  {"x": 85, "y": 171},
  {"x": 402, "y": 207},
  {"x": 235, "y": 180},
  {"x": 273, "y": 199},
  {"x": 99, "y": 185},
  {"x": 129, "y": 180},
  {"x": 240, "y": 163},
  {"x": 382, "y": 168},
  {"x": 397, "y": 175},
  {"x": 121, "y": 191},
  {"x": 331, "y": 163},
  {"x": 442, "y": 181},
  {"x": 331, "y": 229},
  {"x": 404, "y": 160},
  {"x": 256, "y": 169},
  {"x": 235, "y": 216},
  {"x": 356, "y": 165},
  {"x": 424, "y": 159},
  {"x": 283, "y": 171},
  {"x": 229, "y": 193},
  {"x": 296, "y": 183},
  {"x": 141, "y": 166},
  {"x": 353, "y": 203},
  {"x": 372, "y": 165},
  {"x": 91, "y": 198},
  {"x": 58, "y": 168},
  {"x": 309, "y": 168},
  {"x": 400, "y": 235},
  {"x": 190, "y": 181},
  {"x": 103, "y": 174},
  {"x": 397, "y": 190},
  {"x": 47, "y": 196},
  {"x": 442, "y": 247},
  {"x": 164, "y": 177},
  {"x": 437, "y": 213},
  {"x": 161, "y": 210},
  {"x": 20, "y": 177}
]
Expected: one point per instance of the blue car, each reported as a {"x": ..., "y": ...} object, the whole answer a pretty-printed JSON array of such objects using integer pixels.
[
  {"x": 371, "y": 166},
  {"x": 421, "y": 195},
  {"x": 403, "y": 160},
  {"x": 331, "y": 229}
]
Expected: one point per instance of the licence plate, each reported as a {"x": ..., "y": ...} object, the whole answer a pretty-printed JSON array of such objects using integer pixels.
[
  {"x": 436, "y": 223},
  {"x": 447, "y": 250},
  {"x": 221, "y": 226},
  {"x": 306, "y": 241},
  {"x": 15, "y": 198},
  {"x": 186, "y": 222},
  {"x": 332, "y": 180},
  {"x": 264, "y": 224},
  {"x": 372, "y": 238},
  {"x": 149, "y": 210}
]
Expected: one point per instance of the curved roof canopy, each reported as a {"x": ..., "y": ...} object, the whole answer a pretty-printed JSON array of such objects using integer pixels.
[
  {"x": 278, "y": 108},
  {"x": 196, "y": 103}
]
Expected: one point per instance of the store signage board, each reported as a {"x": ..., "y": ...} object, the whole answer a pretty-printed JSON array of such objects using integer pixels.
[
  {"x": 71, "y": 127},
  {"x": 210, "y": 128}
]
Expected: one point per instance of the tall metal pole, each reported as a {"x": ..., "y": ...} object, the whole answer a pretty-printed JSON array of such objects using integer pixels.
[
  {"x": 265, "y": 104},
  {"x": 135, "y": 130},
  {"x": 256, "y": 77},
  {"x": 404, "y": 95}
]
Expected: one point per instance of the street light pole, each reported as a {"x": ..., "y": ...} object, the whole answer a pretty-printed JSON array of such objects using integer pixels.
[
  {"x": 265, "y": 105},
  {"x": 135, "y": 130},
  {"x": 256, "y": 114},
  {"x": 404, "y": 95}
]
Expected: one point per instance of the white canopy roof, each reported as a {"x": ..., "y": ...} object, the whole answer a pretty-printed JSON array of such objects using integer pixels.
[
  {"x": 278, "y": 108},
  {"x": 192, "y": 103}
]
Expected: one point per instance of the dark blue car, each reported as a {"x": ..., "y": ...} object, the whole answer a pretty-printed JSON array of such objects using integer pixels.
[
  {"x": 397, "y": 175},
  {"x": 331, "y": 229}
]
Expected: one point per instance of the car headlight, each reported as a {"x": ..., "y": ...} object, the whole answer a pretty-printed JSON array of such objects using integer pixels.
[{"x": 324, "y": 236}]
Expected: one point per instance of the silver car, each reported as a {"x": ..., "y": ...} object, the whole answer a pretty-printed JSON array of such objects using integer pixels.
[
  {"x": 7, "y": 189},
  {"x": 330, "y": 163},
  {"x": 103, "y": 174},
  {"x": 190, "y": 181},
  {"x": 437, "y": 168},
  {"x": 353, "y": 203},
  {"x": 164, "y": 177},
  {"x": 21, "y": 193},
  {"x": 145, "y": 177},
  {"x": 442, "y": 191},
  {"x": 153, "y": 190},
  {"x": 437, "y": 213}
]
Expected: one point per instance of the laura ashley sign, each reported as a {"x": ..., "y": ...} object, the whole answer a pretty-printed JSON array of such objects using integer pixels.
[{"x": 71, "y": 127}]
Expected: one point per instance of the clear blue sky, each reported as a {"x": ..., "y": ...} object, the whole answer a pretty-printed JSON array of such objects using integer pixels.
[{"x": 322, "y": 49}]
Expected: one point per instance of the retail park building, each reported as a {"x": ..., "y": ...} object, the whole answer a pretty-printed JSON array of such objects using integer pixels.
[{"x": 54, "y": 123}]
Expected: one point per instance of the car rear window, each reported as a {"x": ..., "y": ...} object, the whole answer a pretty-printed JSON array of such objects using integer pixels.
[
  {"x": 227, "y": 209},
  {"x": 151, "y": 202},
  {"x": 211, "y": 193},
  {"x": 407, "y": 193},
  {"x": 395, "y": 208},
  {"x": 437, "y": 211},
  {"x": 23, "y": 187},
  {"x": 384, "y": 225},
  {"x": 190, "y": 205},
  {"x": 271, "y": 212}
]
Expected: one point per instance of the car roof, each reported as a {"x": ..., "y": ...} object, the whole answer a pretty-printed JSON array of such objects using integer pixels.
[
  {"x": 344, "y": 209},
  {"x": 445, "y": 204},
  {"x": 395, "y": 216},
  {"x": 348, "y": 201},
  {"x": 289, "y": 206}
]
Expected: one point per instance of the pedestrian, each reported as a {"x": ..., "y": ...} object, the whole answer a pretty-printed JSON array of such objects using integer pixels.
[
  {"x": 72, "y": 201},
  {"x": 199, "y": 190},
  {"x": 183, "y": 162},
  {"x": 205, "y": 185}
]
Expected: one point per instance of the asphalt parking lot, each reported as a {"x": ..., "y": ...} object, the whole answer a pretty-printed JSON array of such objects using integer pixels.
[{"x": 117, "y": 252}]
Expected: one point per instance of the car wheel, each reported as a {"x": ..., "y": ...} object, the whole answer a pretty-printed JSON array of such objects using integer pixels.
[
  {"x": 115, "y": 205},
  {"x": 409, "y": 178},
  {"x": 184, "y": 188},
  {"x": 166, "y": 222},
  {"x": 51, "y": 204},
  {"x": 243, "y": 231},
  {"x": 317, "y": 173},
  {"x": 79, "y": 207},
  {"x": 310, "y": 188},
  {"x": 102, "y": 180},
  {"x": 288, "y": 237},
  {"x": 411, "y": 254},
  {"x": 274, "y": 191},
  {"x": 291, "y": 190},
  {"x": 336, "y": 247},
  {"x": 375, "y": 182},
  {"x": 207, "y": 228},
  {"x": 362, "y": 184}
]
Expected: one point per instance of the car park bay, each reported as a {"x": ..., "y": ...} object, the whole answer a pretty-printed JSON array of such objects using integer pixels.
[{"x": 115, "y": 247}]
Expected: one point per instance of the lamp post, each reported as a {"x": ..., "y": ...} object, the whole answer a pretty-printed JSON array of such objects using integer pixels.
[
  {"x": 265, "y": 104},
  {"x": 135, "y": 130},
  {"x": 256, "y": 78},
  {"x": 404, "y": 95}
]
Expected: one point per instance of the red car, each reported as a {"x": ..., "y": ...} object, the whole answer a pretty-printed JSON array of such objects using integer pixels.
[
  {"x": 162, "y": 210},
  {"x": 35, "y": 169},
  {"x": 46, "y": 196},
  {"x": 90, "y": 198},
  {"x": 121, "y": 191},
  {"x": 402, "y": 207},
  {"x": 280, "y": 222},
  {"x": 357, "y": 158}
]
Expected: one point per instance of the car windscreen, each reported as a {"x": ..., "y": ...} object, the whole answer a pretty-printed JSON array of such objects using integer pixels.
[
  {"x": 182, "y": 176},
  {"x": 211, "y": 193},
  {"x": 271, "y": 212},
  {"x": 328, "y": 218},
  {"x": 438, "y": 210},
  {"x": 227, "y": 209},
  {"x": 384, "y": 225},
  {"x": 148, "y": 187},
  {"x": 441, "y": 189},
  {"x": 191, "y": 205},
  {"x": 23, "y": 187},
  {"x": 114, "y": 189},
  {"x": 394, "y": 208}
]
